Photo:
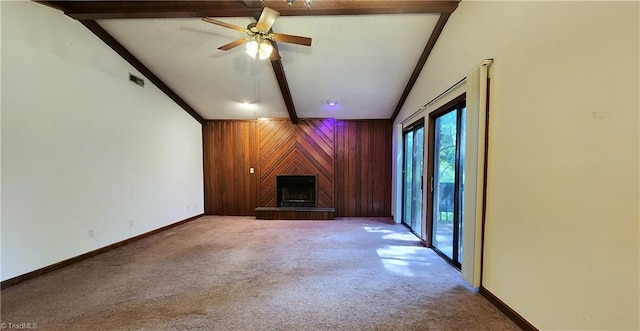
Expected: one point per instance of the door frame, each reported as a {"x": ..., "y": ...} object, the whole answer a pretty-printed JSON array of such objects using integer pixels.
[
  {"x": 430, "y": 169},
  {"x": 415, "y": 125}
]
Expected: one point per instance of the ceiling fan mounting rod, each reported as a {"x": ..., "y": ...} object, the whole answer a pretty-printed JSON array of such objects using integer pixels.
[{"x": 307, "y": 3}]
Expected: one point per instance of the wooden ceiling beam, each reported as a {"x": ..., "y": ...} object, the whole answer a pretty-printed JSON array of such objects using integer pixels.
[
  {"x": 421, "y": 62},
  {"x": 94, "y": 10},
  {"x": 284, "y": 88}
]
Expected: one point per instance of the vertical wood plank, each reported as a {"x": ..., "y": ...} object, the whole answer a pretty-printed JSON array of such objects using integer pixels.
[
  {"x": 363, "y": 168},
  {"x": 229, "y": 188}
]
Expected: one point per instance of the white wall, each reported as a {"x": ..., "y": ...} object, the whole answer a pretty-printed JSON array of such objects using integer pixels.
[
  {"x": 561, "y": 240},
  {"x": 82, "y": 147}
]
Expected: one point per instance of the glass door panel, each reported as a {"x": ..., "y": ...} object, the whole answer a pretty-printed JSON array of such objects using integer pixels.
[
  {"x": 408, "y": 178},
  {"x": 448, "y": 182},
  {"x": 416, "y": 198},
  {"x": 444, "y": 182},
  {"x": 412, "y": 181}
]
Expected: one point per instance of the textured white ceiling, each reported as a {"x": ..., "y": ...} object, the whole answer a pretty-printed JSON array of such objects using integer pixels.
[{"x": 363, "y": 62}]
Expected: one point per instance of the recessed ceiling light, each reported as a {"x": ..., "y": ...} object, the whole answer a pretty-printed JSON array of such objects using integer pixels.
[
  {"x": 332, "y": 103},
  {"x": 246, "y": 105}
]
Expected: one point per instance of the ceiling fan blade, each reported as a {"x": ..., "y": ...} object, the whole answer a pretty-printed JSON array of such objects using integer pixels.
[
  {"x": 286, "y": 38},
  {"x": 234, "y": 43},
  {"x": 275, "y": 55},
  {"x": 226, "y": 25},
  {"x": 267, "y": 18}
]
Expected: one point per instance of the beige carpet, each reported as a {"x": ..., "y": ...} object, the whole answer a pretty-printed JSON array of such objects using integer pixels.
[{"x": 238, "y": 273}]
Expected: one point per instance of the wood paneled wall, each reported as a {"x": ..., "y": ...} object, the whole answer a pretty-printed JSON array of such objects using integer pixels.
[
  {"x": 351, "y": 158},
  {"x": 229, "y": 152},
  {"x": 363, "y": 168},
  {"x": 296, "y": 149}
]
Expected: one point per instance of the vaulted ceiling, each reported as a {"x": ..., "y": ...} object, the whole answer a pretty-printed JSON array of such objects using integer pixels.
[{"x": 365, "y": 55}]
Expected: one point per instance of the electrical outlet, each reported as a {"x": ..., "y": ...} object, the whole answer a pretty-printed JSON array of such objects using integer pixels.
[
  {"x": 90, "y": 233},
  {"x": 130, "y": 223},
  {"x": 195, "y": 206},
  {"x": 188, "y": 207}
]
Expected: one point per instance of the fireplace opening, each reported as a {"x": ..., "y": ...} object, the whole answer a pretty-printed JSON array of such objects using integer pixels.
[{"x": 296, "y": 190}]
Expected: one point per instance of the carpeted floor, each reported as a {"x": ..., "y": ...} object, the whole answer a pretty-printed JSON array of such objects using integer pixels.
[{"x": 238, "y": 273}]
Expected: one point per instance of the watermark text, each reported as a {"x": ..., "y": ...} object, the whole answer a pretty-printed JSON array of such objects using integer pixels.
[{"x": 18, "y": 326}]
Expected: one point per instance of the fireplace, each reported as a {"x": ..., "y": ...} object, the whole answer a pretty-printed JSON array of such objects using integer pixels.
[
  {"x": 296, "y": 190},
  {"x": 296, "y": 199}
]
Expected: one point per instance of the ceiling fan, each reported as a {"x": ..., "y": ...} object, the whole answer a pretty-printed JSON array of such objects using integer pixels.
[{"x": 260, "y": 38}]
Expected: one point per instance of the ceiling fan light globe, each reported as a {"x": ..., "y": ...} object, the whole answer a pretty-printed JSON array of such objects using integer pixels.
[
  {"x": 265, "y": 49},
  {"x": 260, "y": 50},
  {"x": 252, "y": 48}
]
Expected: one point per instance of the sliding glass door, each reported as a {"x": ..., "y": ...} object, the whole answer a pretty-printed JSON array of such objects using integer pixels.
[
  {"x": 447, "y": 182},
  {"x": 412, "y": 173}
]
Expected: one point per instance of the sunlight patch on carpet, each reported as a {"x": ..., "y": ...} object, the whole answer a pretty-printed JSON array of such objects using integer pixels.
[{"x": 405, "y": 261}]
